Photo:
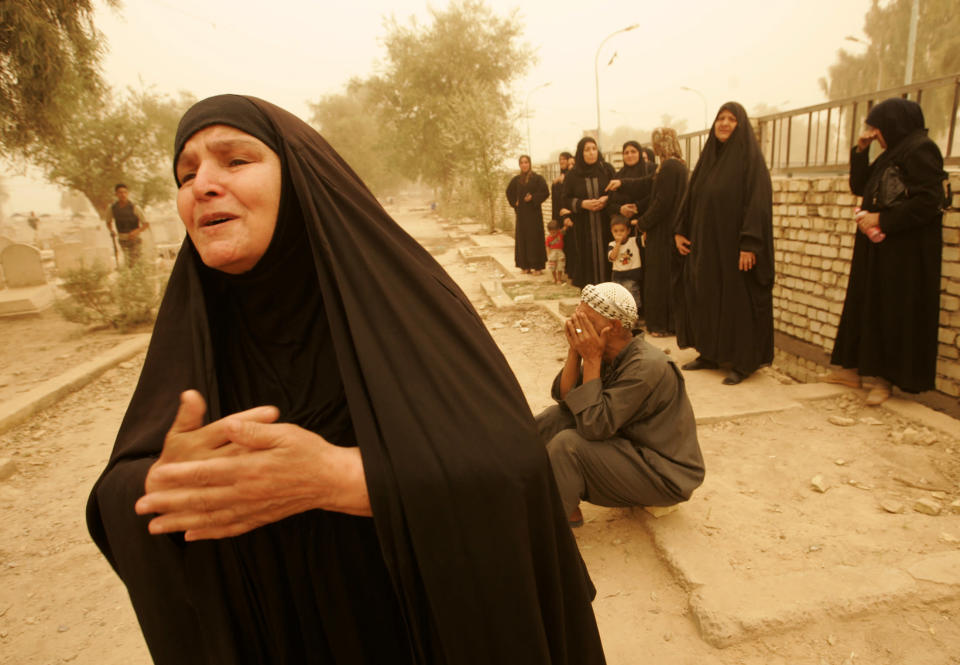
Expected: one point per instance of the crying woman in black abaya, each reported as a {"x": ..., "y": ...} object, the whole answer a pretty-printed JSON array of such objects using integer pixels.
[{"x": 323, "y": 490}]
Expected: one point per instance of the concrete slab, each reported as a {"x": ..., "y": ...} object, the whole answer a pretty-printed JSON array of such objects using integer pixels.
[
  {"x": 923, "y": 414},
  {"x": 713, "y": 401},
  {"x": 496, "y": 240},
  {"x": 806, "y": 392},
  {"x": 744, "y": 609},
  {"x": 25, "y": 300},
  {"x": 17, "y": 410},
  {"x": 495, "y": 293}
]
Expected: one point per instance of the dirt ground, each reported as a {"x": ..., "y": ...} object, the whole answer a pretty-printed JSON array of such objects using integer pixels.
[{"x": 757, "y": 534}]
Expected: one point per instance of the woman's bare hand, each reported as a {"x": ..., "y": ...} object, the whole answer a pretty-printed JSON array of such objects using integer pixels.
[{"x": 683, "y": 244}]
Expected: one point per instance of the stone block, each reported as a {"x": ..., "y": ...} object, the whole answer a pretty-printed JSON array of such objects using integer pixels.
[
  {"x": 945, "y": 335},
  {"x": 7, "y": 468},
  {"x": 951, "y": 270},
  {"x": 947, "y": 387},
  {"x": 949, "y": 351},
  {"x": 951, "y": 236},
  {"x": 951, "y": 219},
  {"x": 949, "y": 303},
  {"x": 830, "y": 252},
  {"x": 22, "y": 266}
]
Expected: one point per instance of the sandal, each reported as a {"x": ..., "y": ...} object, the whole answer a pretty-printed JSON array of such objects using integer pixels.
[
  {"x": 877, "y": 396},
  {"x": 700, "y": 363},
  {"x": 733, "y": 378},
  {"x": 575, "y": 519},
  {"x": 843, "y": 377}
]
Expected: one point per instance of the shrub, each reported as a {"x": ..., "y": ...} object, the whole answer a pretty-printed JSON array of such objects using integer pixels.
[{"x": 123, "y": 299}]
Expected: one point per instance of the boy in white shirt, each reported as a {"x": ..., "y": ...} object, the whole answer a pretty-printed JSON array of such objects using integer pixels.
[{"x": 625, "y": 256}]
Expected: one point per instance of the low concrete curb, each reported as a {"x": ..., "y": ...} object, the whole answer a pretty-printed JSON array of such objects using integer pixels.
[
  {"x": 19, "y": 409},
  {"x": 770, "y": 604}
]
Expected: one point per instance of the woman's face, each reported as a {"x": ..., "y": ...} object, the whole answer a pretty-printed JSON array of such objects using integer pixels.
[
  {"x": 590, "y": 152},
  {"x": 229, "y": 196},
  {"x": 724, "y": 125},
  {"x": 630, "y": 155},
  {"x": 524, "y": 165},
  {"x": 879, "y": 135}
]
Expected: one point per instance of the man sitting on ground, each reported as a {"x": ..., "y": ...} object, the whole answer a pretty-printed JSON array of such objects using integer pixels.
[{"x": 623, "y": 432}]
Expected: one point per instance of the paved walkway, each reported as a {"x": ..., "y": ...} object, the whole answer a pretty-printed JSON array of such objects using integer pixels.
[{"x": 731, "y": 606}]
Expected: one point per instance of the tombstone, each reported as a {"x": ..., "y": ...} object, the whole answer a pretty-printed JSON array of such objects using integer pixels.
[
  {"x": 27, "y": 290},
  {"x": 4, "y": 241},
  {"x": 22, "y": 266},
  {"x": 74, "y": 255}
]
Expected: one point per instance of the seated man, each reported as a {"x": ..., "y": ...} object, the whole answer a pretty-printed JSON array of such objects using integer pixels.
[{"x": 623, "y": 431}]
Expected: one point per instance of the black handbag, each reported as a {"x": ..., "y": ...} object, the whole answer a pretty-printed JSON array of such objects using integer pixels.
[{"x": 891, "y": 190}]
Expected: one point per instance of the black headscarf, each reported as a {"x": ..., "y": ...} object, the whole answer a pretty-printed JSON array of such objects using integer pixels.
[
  {"x": 637, "y": 170},
  {"x": 465, "y": 505},
  {"x": 896, "y": 118},
  {"x": 737, "y": 168},
  {"x": 581, "y": 167}
]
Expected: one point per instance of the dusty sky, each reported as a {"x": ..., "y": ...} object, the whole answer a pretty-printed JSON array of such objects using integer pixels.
[{"x": 293, "y": 51}]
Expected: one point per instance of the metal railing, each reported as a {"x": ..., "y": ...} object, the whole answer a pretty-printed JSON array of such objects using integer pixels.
[{"x": 817, "y": 139}]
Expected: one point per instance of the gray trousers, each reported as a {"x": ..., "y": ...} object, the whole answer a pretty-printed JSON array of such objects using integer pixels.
[{"x": 606, "y": 473}]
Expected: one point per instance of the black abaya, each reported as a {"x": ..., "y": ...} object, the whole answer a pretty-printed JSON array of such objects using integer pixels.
[
  {"x": 727, "y": 314},
  {"x": 660, "y": 254},
  {"x": 890, "y": 318},
  {"x": 530, "y": 252},
  {"x": 591, "y": 229},
  {"x": 468, "y": 558}
]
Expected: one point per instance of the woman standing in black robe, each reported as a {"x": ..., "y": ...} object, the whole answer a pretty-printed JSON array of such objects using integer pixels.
[
  {"x": 890, "y": 320},
  {"x": 632, "y": 183},
  {"x": 526, "y": 192},
  {"x": 657, "y": 221},
  {"x": 373, "y": 512},
  {"x": 725, "y": 233},
  {"x": 585, "y": 199}
]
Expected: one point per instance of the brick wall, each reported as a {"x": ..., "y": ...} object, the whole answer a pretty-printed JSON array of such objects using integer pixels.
[{"x": 813, "y": 241}]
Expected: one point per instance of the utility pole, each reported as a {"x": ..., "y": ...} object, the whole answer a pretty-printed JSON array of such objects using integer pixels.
[{"x": 912, "y": 41}]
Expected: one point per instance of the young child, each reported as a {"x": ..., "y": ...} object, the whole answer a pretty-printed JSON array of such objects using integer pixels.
[
  {"x": 625, "y": 256},
  {"x": 556, "y": 259}
]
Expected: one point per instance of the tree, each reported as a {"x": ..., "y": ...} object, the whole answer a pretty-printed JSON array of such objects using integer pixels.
[
  {"x": 49, "y": 63},
  {"x": 74, "y": 201},
  {"x": 126, "y": 141},
  {"x": 350, "y": 122},
  {"x": 441, "y": 84},
  {"x": 883, "y": 64}
]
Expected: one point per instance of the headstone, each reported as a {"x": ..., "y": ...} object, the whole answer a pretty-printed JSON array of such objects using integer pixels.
[
  {"x": 4, "y": 241},
  {"x": 22, "y": 266}
]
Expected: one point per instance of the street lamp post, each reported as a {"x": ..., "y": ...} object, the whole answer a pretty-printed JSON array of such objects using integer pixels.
[
  {"x": 596, "y": 69},
  {"x": 526, "y": 113},
  {"x": 694, "y": 90}
]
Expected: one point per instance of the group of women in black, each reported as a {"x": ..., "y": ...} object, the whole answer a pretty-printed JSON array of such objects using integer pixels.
[
  {"x": 708, "y": 259},
  {"x": 708, "y": 246}
]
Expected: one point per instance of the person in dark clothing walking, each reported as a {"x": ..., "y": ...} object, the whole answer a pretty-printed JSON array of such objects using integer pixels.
[
  {"x": 890, "y": 321},
  {"x": 130, "y": 223},
  {"x": 526, "y": 193}
]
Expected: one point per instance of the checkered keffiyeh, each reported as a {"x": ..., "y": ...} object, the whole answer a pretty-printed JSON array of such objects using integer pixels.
[{"x": 612, "y": 301}]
